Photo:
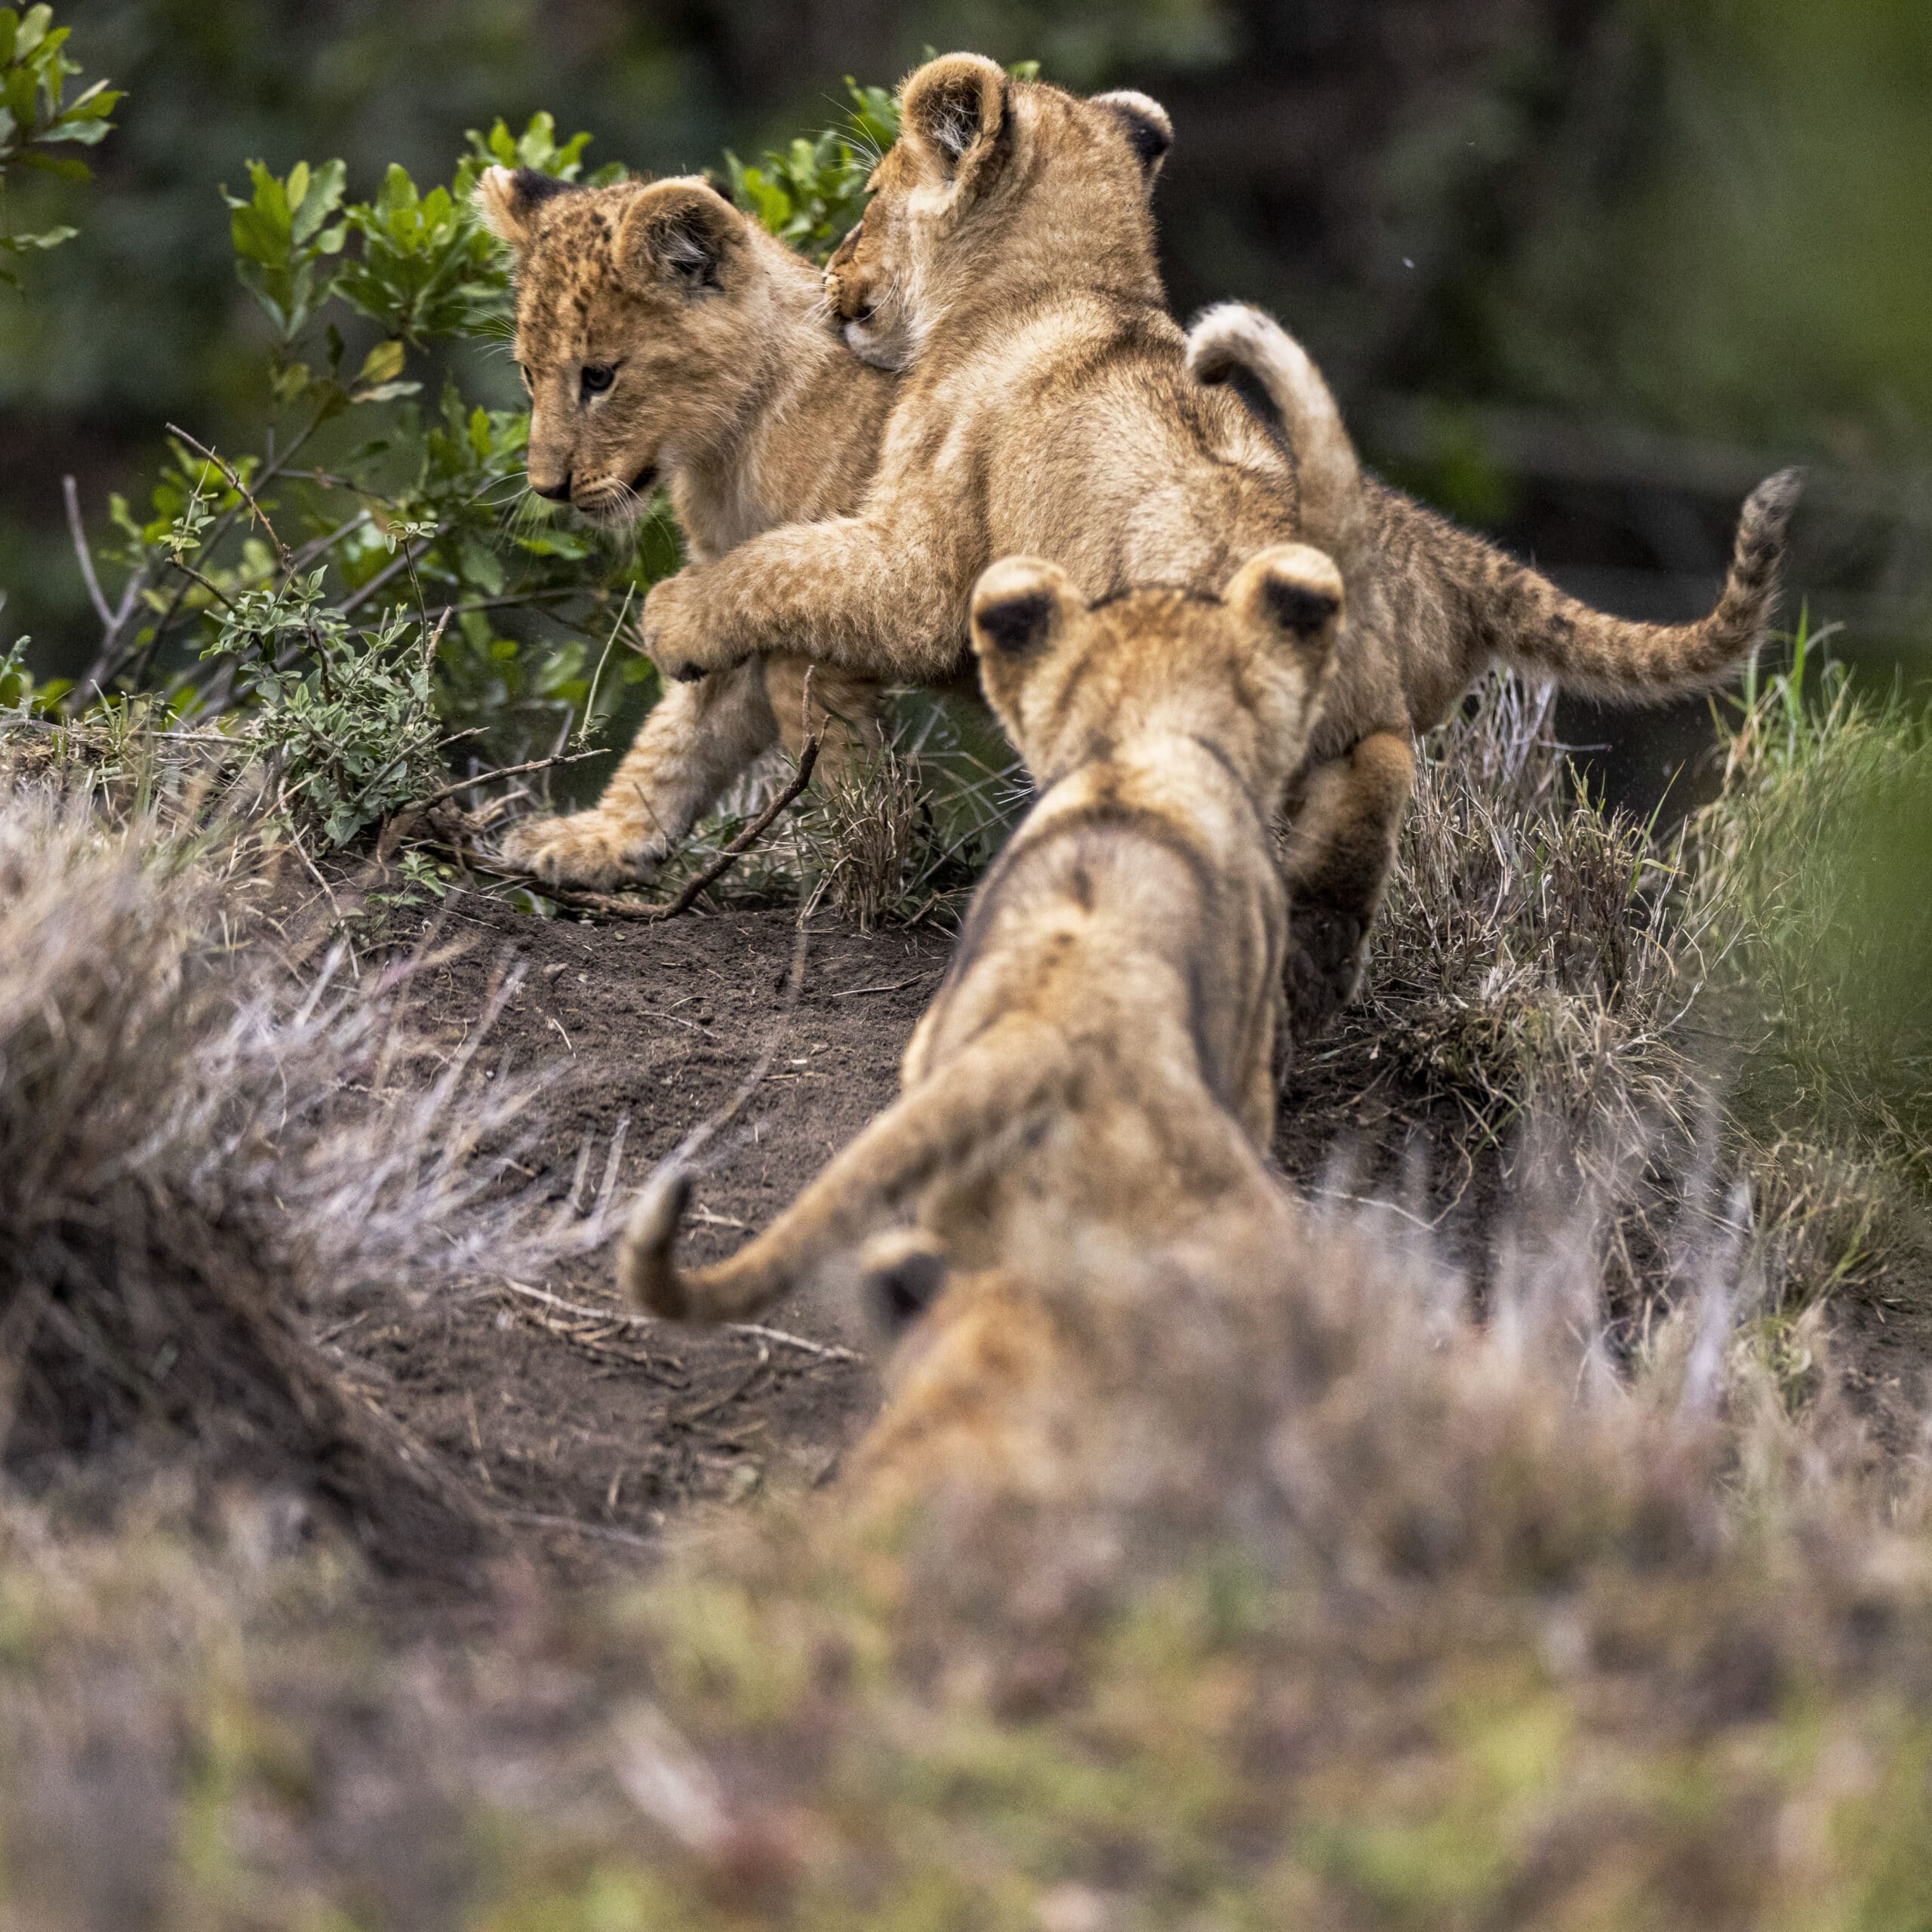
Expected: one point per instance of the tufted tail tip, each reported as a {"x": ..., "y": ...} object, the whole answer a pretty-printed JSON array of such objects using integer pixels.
[{"x": 646, "y": 1273}]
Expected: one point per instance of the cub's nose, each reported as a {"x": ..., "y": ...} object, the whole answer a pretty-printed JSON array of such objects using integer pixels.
[{"x": 558, "y": 493}]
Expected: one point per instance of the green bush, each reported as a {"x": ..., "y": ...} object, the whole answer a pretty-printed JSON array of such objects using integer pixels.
[
  {"x": 36, "y": 114},
  {"x": 373, "y": 585}
]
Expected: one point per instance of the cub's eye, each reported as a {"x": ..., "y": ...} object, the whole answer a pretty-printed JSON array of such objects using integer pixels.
[{"x": 597, "y": 377}]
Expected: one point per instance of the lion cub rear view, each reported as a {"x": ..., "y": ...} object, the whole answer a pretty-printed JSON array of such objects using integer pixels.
[{"x": 1103, "y": 1039}]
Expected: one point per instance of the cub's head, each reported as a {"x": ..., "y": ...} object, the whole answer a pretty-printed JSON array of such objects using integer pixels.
[
  {"x": 635, "y": 306},
  {"x": 994, "y": 181},
  {"x": 1246, "y": 671}
]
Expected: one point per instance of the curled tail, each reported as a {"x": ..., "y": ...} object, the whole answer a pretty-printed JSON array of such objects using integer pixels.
[
  {"x": 1273, "y": 376},
  {"x": 1515, "y": 614},
  {"x": 948, "y": 1125}
]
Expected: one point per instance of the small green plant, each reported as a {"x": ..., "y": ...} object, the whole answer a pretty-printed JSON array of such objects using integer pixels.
[
  {"x": 36, "y": 114},
  {"x": 1810, "y": 871}
]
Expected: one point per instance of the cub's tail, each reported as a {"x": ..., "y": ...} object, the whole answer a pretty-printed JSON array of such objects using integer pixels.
[
  {"x": 952, "y": 1125},
  {"x": 1516, "y": 614},
  {"x": 1272, "y": 374}
]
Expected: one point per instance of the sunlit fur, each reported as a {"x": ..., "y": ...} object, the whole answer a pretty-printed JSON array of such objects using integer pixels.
[
  {"x": 1103, "y": 1039},
  {"x": 731, "y": 390},
  {"x": 1008, "y": 262}
]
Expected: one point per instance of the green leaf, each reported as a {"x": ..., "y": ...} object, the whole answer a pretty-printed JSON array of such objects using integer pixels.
[
  {"x": 47, "y": 237},
  {"x": 382, "y": 364},
  {"x": 65, "y": 166},
  {"x": 31, "y": 30}
]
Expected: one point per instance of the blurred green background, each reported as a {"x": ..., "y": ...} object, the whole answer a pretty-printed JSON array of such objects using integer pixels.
[{"x": 1582, "y": 270}]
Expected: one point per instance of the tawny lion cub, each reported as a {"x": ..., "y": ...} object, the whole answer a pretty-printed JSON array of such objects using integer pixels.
[
  {"x": 1104, "y": 1037},
  {"x": 664, "y": 337},
  {"x": 1048, "y": 404}
]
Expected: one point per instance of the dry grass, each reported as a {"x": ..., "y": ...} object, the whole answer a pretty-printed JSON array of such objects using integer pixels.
[
  {"x": 196, "y": 1147},
  {"x": 1341, "y": 1609},
  {"x": 901, "y": 838},
  {"x": 1505, "y": 1572}
]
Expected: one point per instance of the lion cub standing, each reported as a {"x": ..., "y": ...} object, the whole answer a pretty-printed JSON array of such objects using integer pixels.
[
  {"x": 664, "y": 337},
  {"x": 1103, "y": 1039}
]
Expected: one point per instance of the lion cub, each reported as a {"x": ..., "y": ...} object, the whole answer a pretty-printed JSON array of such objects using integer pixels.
[
  {"x": 1006, "y": 265},
  {"x": 664, "y": 337},
  {"x": 1103, "y": 1039}
]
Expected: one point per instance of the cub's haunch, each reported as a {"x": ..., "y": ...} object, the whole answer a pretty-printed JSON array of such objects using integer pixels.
[{"x": 1103, "y": 1039}]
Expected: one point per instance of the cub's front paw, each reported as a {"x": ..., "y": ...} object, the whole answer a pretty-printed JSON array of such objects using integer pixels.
[
  {"x": 1327, "y": 946},
  {"x": 587, "y": 849},
  {"x": 673, "y": 632}
]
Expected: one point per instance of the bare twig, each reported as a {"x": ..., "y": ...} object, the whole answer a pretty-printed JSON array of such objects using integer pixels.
[
  {"x": 240, "y": 488},
  {"x": 405, "y": 559},
  {"x": 507, "y": 771},
  {"x": 214, "y": 589},
  {"x": 829, "y": 1350},
  {"x": 618, "y": 1318},
  {"x": 617, "y": 906},
  {"x": 72, "y": 496}
]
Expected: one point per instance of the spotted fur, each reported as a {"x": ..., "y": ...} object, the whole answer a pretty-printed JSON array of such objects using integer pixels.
[{"x": 728, "y": 388}]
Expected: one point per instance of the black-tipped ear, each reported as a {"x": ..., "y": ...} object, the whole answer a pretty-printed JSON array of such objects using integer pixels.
[
  {"x": 1018, "y": 605},
  {"x": 957, "y": 108},
  {"x": 1293, "y": 591},
  {"x": 1015, "y": 624},
  {"x": 684, "y": 233},
  {"x": 510, "y": 198},
  {"x": 1150, "y": 134},
  {"x": 1299, "y": 606},
  {"x": 903, "y": 1281}
]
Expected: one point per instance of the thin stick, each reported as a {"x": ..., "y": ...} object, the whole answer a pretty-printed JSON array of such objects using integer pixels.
[
  {"x": 619, "y": 907},
  {"x": 72, "y": 497},
  {"x": 240, "y": 488},
  {"x": 597, "y": 678},
  {"x": 404, "y": 560},
  {"x": 618, "y": 1318},
  {"x": 214, "y": 590},
  {"x": 830, "y": 1350},
  {"x": 508, "y": 771}
]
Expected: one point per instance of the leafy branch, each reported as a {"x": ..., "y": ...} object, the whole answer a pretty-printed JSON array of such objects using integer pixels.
[{"x": 36, "y": 114}]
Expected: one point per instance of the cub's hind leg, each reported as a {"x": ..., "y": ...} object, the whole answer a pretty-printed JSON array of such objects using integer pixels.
[
  {"x": 1341, "y": 845},
  {"x": 698, "y": 738}
]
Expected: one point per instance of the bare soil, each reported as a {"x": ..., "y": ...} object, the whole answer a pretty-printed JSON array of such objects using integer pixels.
[{"x": 584, "y": 1438}]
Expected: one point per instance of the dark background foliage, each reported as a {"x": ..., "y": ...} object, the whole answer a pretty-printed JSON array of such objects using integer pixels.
[{"x": 1581, "y": 270}]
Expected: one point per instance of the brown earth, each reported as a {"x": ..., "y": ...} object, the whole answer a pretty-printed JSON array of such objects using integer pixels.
[
  {"x": 584, "y": 1436},
  {"x": 589, "y": 1435}
]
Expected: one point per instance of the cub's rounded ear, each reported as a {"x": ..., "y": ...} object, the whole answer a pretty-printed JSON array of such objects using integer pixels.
[
  {"x": 957, "y": 108},
  {"x": 1144, "y": 120},
  {"x": 509, "y": 199},
  {"x": 904, "y": 1272},
  {"x": 1021, "y": 605},
  {"x": 1291, "y": 593},
  {"x": 682, "y": 234}
]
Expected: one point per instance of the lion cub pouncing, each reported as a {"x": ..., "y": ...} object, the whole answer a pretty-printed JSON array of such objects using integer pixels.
[
  {"x": 1103, "y": 1039},
  {"x": 664, "y": 336},
  {"x": 1006, "y": 263}
]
